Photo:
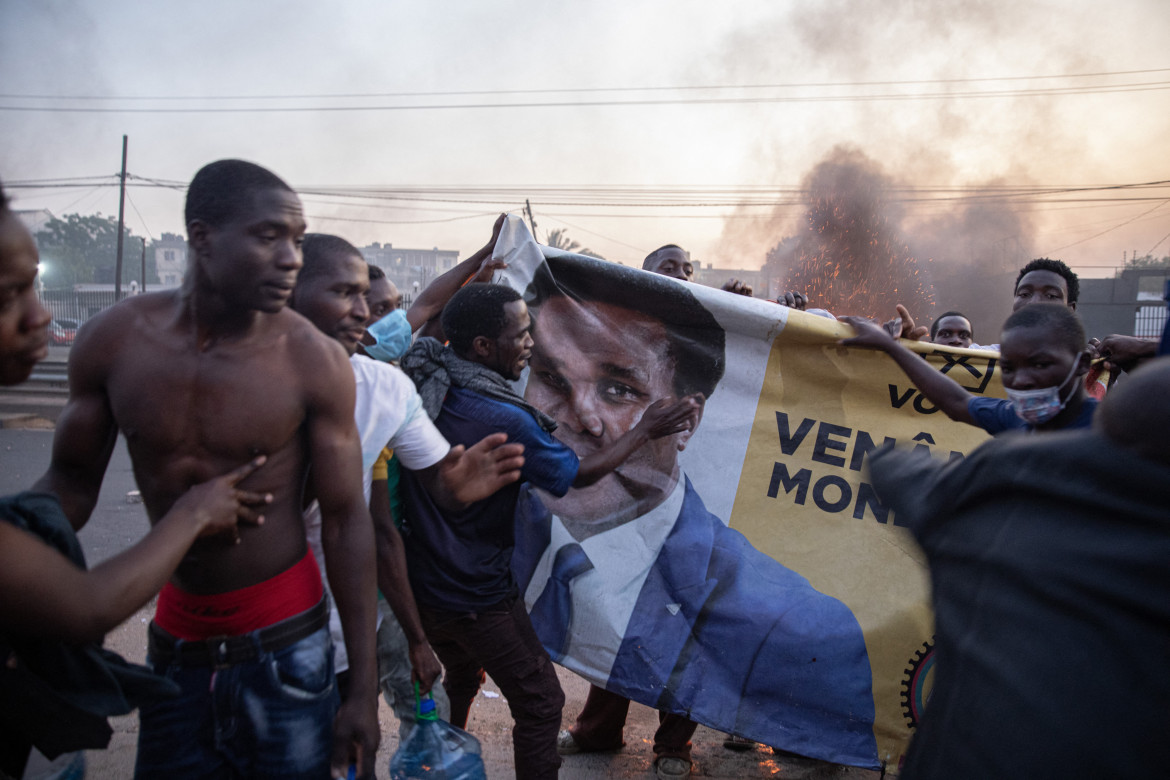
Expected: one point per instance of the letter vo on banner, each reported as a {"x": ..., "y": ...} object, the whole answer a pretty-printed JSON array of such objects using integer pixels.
[{"x": 743, "y": 572}]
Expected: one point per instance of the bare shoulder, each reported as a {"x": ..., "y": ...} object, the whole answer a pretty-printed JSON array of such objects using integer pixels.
[
  {"x": 320, "y": 361},
  {"x": 101, "y": 337}
]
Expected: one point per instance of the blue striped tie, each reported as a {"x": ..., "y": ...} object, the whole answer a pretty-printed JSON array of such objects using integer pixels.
[{"x": 553, "y": 610}]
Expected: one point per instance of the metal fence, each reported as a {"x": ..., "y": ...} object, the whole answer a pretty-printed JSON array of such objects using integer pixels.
[
  {"x": 75, "y": 305},
  {"x": 1149, "y": 321}
]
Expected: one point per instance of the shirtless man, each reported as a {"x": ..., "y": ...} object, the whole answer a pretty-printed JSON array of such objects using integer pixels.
[
  {"x": 200, "y": 380},
  {"x": 54, "y": 613}
]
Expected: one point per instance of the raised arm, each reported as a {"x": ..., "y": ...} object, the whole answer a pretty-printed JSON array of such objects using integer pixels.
[
  {"x": 43, "y": 593},
  {"x": 662, "y": 418},
  {"x": 395, "y": 586},
  {"x": 86, "y": 431},
  {"x": 467, "y": 475},
  {"x": 1127, "y": 352},
  {"x": 939, "y": 389},
  {"x": 430, "y": 301},
  {"x": 347, "y": 538},
  {"x": 902, "y": 325}
]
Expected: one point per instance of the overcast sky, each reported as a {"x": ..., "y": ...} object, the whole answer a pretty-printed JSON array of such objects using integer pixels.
[{"x": 714, "y": 151}]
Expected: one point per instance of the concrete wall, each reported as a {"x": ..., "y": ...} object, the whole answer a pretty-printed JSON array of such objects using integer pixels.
[{"x": 1111, "y": 305}]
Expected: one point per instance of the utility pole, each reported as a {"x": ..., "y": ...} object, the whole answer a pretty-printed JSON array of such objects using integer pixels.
[
  {"x": 531, "y": 220},
  {"x": 142, "y": 288},
  {"x": 121, "y": 212}
]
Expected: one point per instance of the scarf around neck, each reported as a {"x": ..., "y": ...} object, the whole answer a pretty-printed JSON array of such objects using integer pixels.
[{"x": 435, "y": 368}]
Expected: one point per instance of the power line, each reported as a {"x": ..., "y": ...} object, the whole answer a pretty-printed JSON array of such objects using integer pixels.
[
  {"x": 592, "y": 90},
  {"x": 691, "y": 198},
  {"x": 732, "y": 197},
  {"x": 636, "y": 198},
  {"x": 1109, "y": 230},
  {"x": 593, "y": 233},
  {"x": 883, "y": 97},
  {"x": 139, "y": 213},
  {"x": 1093, "y": 224},
  {"x": 404, "y": 221},
  {"x": 71, "y": 180},
  {"x": 350, "y": 204},
  {"x": 1150, "y": 251},
  {"x": 624, "y": 192},
  {"x": 78, "y": 200}
]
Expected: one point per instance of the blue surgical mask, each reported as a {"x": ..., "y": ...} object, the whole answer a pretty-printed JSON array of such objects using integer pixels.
[
  {"x": 1038, "y": 406},
  {"x": 392, "y": 336}
]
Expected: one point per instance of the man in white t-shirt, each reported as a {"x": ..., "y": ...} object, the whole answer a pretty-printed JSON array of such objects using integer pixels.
[{"x": 330, "y": 292}]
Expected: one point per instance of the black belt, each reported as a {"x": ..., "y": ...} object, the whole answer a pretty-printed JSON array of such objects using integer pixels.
[{"x": 221, "y": 651}]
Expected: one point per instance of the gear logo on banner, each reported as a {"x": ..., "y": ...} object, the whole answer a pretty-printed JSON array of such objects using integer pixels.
[{"x": 917, "y": 685}]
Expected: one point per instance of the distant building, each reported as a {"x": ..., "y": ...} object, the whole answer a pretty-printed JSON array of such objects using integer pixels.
[
  {"x": 34, "y": 220},
  {"x": 755, "y": 278},
  {"x": 170, "y": 259},
  {"x": 411, "y": 270}
]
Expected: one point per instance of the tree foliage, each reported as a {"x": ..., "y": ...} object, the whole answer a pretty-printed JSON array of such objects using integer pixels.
[
  {"x": 79, "y": 249},
  {"x": 1149, "y": 261},
  {"x": 559, "y": 239}
]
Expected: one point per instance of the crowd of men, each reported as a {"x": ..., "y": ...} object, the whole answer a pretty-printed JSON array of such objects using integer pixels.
[{"x": 349, "y": 498}]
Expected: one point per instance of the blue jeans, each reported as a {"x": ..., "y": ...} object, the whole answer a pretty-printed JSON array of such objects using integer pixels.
[{"x": 271, "y": 717}]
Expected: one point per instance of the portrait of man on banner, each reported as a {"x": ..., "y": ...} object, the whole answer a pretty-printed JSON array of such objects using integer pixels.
[{"x": 632, "y": 582}]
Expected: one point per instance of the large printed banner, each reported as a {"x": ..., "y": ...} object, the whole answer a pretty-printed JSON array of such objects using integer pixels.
[{"x": 743, "y": 573}]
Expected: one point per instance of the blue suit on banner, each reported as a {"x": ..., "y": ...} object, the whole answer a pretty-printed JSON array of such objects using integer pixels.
[{"x": 729, "y": 637}]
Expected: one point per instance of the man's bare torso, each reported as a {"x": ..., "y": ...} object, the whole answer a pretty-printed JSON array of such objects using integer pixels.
[{"x": 190, "y": 414}]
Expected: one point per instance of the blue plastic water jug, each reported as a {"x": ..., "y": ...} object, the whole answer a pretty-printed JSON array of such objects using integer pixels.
[{"x": 436, "y": 750}]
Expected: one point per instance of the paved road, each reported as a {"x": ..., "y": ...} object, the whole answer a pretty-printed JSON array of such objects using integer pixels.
[{"x": 117, "y": 523}]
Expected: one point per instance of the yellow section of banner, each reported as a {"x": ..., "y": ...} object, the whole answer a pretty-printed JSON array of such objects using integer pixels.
[{"x": 804, "y": 498}]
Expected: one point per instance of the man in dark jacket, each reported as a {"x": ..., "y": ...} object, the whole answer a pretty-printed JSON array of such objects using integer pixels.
[{"x": 1051, "y": 594}]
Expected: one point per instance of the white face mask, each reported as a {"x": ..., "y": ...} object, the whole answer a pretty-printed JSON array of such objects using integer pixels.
[
  {"x": 1037, "y": 407},
  {"x": 392, "y": 337}
]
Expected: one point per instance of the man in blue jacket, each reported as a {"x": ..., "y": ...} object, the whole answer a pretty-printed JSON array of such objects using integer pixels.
[{"x": 460, "y": 560}]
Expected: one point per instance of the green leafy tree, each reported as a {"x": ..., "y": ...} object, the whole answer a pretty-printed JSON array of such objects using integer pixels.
[{"x": 79, "y": 249}]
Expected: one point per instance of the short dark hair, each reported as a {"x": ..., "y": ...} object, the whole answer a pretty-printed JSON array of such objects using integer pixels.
[
  {"x": 319, "y": 249},
  {"x": 653, "y": 255},
  {"x": 476, "y": 310},
  {"x": 695, "y": 340},
  {"x": 1056, "y": 267},
  {"x": 943, "y": 316},
  {"x": 1065, "y": 325},
  {"x": 220, "y": 190},
  {"x": 376, "y": 272}
]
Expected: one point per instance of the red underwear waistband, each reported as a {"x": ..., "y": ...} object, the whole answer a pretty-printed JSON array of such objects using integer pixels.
[{"x": 192, "y": 616}]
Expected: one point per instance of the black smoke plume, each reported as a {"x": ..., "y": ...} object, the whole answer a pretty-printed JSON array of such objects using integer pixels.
[{"x": 867, "y": 242}]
